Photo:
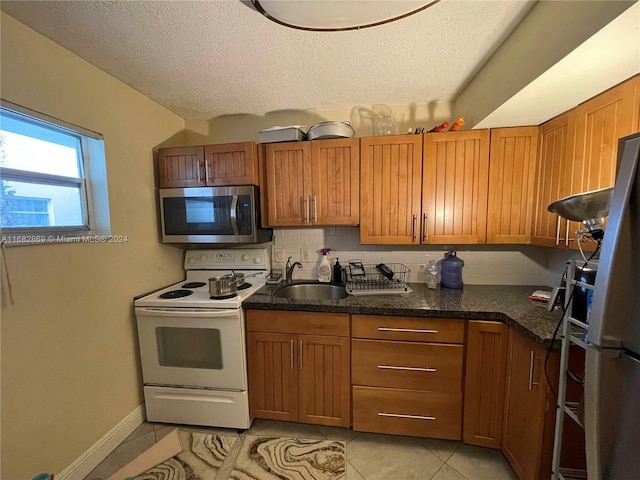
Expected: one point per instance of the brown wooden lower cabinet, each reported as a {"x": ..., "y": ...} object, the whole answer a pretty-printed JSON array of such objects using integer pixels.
[
  {"x": 411, "y": 365},
  {"x": 530, "y": 407},
  {"x": 273, "y": 376},
  {"x": 407, "y": 412},
  {"x": 298, "y": 377},
  {"x": 485, "y": 383},
  {"x": 308, "y": 369}
]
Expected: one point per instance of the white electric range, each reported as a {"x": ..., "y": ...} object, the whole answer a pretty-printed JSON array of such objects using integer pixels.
[{"x": 193, "y": 347}]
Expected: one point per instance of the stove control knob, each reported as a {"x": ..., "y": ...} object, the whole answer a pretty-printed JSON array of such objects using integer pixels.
[
  {"x": 257, "y": 260},
  {"x": 192, "y": 261},
  {"x": 245, "y": 257},
  {"x": 203, "y": 258}
]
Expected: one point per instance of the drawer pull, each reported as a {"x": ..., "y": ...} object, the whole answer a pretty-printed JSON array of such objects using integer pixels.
[
  {"x": 412, "y": 369},
  {"x": 401, "y": 415},
  {"x": 412, "y": 330}
]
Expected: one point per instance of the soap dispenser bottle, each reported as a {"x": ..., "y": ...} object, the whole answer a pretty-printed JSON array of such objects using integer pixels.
[
  {"x": 324, "y": 270},
  {"x": 337, "y": 273}
]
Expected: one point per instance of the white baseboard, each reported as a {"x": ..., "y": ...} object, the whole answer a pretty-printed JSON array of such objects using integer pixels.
[{"x": 90, "y": 459}]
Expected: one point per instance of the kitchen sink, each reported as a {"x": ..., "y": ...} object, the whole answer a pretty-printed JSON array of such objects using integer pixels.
[{"x": 311, "y": 291}]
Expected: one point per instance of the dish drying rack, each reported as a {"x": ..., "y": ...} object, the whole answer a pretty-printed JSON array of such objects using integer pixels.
[{"x": 370, "y": 279}]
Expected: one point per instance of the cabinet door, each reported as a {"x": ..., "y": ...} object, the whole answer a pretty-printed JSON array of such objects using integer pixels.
[
  {"x": 512, "y": 162},
  {"x": 484, "y": 383},
  {"x": 454, "y": 193},
  {"x": 325, "y": 380},
  {"x": 524, "y": 416},
  {"x": 600, "y": 122},
  {"x": 231, "y": 164},
  {"x": 288, "y": 172},
  {"x": 273, "y": 376},
  {"x": 181, "y": 167},
  {"x": 553, "y": 179},
  {"x": 336, "y": 182},
  {"x": 390, "y": 184}
]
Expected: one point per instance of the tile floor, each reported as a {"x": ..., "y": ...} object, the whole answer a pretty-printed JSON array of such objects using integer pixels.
[{"x": 369, "y": 456}]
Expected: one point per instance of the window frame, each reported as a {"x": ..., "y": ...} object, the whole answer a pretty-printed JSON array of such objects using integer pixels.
[{"x": 92, "y": 225}]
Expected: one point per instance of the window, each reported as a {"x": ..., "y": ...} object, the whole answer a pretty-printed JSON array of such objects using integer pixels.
[{"x": 52, "y": 179}]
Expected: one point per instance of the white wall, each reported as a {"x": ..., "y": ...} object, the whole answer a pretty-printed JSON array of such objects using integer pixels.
[
  {"x": 489, "y": 264},
  {"x": 70, "y": 367}
]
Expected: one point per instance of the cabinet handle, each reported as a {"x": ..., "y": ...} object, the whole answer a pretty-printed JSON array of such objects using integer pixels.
[
  {"x": 206, "y": 172},
  {"x": 401, "y": 415},
  {"x": 425, "y": 228},
  {"x": 198, "y": 169},
  {"x": 292, "y": 365},
  {"x": 315, "y": 209},
  {"x": 531, "y": 370},
  {"x": 301, "y": 353},
  {"x": 306, "y": 209},
  {"x": 412, "y": 369},
  {"x": 566, "y": 239},
  {"x": 414, "y": 228},
  {"x": 558, "y": 232},
  {"x": 412, "y": 330}
]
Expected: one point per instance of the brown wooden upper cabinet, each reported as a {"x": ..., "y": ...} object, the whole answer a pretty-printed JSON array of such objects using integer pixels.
[
  {"x": 512, "y": 162},
  {"x": 391, "y": 183},
  {"x": 312, "y": 183},
  {"x": 454, "y": 191},
  {"x": 209, "y": 165},
  {"x": 578, "y": 152},
  {"x": 555, "y": 160},
  {"x": 430, "y": 193},
  {"x": 599, "y": 123}
]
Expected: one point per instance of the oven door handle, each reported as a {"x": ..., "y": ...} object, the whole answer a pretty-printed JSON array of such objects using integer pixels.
[
  {"x": 184, "y": 312},
  {"x": 234, "y": 214}
]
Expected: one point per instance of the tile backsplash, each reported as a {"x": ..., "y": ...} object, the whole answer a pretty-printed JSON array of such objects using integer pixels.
[{"x": 484, "y": 264}]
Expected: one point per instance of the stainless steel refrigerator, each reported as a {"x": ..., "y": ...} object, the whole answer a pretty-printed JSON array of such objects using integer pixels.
[{"x": 612, "y": 361}]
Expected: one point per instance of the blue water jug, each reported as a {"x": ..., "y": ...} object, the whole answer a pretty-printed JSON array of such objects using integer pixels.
[{"x": 451, "y": 271}]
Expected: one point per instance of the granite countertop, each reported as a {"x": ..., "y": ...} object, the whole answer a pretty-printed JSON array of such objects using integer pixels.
[{"x": 504, "y": 303}]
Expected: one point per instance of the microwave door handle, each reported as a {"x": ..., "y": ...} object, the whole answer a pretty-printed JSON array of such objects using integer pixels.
[{"x": 234, "y": 214}]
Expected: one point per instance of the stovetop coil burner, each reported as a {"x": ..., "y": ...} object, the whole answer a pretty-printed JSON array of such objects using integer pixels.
[
  {"x": 224, "y": 297},
  {"x": 193, "y": 285},
  {"x": 176, "y": 294}
]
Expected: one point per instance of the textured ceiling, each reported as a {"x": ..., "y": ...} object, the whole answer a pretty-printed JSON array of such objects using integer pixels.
[{"x": 202, "y": 59}]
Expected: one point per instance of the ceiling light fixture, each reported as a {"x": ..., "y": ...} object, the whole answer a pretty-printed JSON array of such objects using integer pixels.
[{"x": 336, "y": 15}]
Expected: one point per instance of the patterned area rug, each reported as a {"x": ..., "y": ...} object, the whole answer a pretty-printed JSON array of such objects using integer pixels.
[
  {"x": 201, "y": 459},
  {"x": 269, "y": 458}
]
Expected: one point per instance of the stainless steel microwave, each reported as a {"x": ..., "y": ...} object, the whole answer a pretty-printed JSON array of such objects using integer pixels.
[{"x": 212, "y": 215}]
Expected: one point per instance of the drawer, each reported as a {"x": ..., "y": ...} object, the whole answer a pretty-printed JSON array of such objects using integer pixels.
[
  {"x": 412, "y": 365},
  {"x": 310, "y": 323},
  {"x": 417, "y": 329},
  {"x": 407, "y": 412}
]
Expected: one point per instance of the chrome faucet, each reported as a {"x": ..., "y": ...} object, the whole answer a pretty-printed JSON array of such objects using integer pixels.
[{"x": 289, "y": 269}]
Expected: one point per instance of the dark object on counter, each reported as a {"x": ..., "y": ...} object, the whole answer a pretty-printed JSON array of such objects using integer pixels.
[
  {"x": 451, "y": 271},
  {"x": 337, "y": 273},
  {"x": 439, "y": 128},
  {"x": 384, "y": 270},
  {"x": 582, "y": 295}
]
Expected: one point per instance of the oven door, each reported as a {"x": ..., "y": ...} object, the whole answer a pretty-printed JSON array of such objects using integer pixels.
[
  {"x": 209, "y": 215},
  {"x": 192, "y": 347}
]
